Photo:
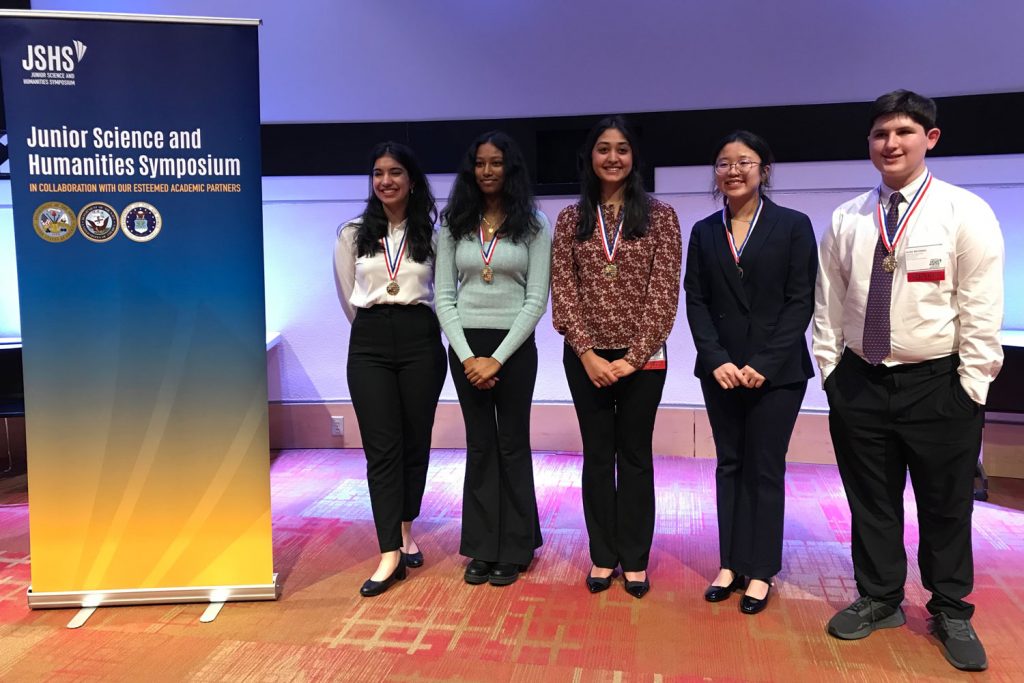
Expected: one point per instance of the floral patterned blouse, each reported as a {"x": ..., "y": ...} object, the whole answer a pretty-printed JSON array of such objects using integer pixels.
[{"x": 633, "y": 310}]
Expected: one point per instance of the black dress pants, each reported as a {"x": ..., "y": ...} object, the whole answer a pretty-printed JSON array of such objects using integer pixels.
[
  {"x": 499, "y": 504},
  {"x": 751, "y": 428},
  {"x": 617, "y": 426},
  {"x": 884, "y": 422},
  {"x": 395, "y": 372}
]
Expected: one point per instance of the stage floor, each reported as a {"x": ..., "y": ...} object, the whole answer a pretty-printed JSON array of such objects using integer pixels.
[{"x": 546, "y": 627}]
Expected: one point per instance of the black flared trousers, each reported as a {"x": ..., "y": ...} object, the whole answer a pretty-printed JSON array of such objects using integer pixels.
[{"x": 499, "y": 504}]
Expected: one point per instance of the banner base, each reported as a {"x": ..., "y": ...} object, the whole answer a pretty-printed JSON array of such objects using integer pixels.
[
  {"x": 82, "y": 616},
  {"x": 154, "y": 596}
]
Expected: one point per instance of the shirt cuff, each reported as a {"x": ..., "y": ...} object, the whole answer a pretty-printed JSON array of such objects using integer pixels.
[
  {"x": 579, "y": 345},
  {"x": 978, "y": 391},
  {"x": 462, "y": 350}
]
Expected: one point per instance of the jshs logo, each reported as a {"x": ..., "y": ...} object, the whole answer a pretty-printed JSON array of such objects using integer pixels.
[{"x": 54, "y": 57}]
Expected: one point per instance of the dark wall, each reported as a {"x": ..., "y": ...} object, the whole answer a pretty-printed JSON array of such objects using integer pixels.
[{"x": 971, "y": 125}]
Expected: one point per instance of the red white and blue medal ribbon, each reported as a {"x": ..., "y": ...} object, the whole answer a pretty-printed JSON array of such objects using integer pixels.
[
  {"x": 393, "y": 263},
  {"x": 610, "y": 244},
  {"x": 901, "y": 225},
  {"x": 487, "y": 252},
  {"x": 737, "y": 252}
]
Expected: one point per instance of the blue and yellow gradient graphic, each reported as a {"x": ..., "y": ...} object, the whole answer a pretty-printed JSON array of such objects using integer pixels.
[{"x": 145, "y": 367}]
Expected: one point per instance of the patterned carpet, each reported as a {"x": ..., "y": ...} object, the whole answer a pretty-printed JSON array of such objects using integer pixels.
[{"x": 546, "y": 627}]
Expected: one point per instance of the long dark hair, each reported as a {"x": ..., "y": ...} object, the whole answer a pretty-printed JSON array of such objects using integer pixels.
[
  {"x": 636, "y": 203},
  {"x": 421, "y": 212},
  {"x": 760, "y": 147},
  {"x": 466, "y": 203}
]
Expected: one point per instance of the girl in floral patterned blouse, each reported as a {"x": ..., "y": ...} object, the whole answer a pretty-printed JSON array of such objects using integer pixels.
[{"x": 615, "y": 290}]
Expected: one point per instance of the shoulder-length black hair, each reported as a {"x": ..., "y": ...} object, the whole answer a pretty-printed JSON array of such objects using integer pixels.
[
  {"x": 760, "y": 147},
  {"x": 466, "y": 203},
  {"x": 636, "y": 205},
  {"x": 421, "y": 212}
]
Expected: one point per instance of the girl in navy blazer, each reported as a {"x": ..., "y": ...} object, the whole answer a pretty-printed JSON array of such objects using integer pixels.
[{"x": 749, "y": 283}]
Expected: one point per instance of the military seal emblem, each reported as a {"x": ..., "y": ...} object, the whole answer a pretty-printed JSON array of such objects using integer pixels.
[
  {"x": 140, "y": 222},
  {"x": 98, "y": 222},
  {"x": 54, "y": 221}
]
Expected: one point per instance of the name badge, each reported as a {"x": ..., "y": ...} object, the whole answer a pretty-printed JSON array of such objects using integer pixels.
[
  {"x": 926, "y": 262},
  {"x": 659, "y": 361}
]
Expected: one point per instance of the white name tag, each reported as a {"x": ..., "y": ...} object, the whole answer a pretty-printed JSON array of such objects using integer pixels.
[
  {"x": 659, "y": 361},
  {"x": 926, "y": 262}
]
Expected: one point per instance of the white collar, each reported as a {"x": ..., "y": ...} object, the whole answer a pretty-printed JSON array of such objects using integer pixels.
[{"x": 908, "y": 191}]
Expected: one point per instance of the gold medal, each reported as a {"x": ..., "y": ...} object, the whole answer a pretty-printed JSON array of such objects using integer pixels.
[
  {"x": 610, "y": 244},
  {"x": 889, "y": 263},
  {"x": 487, "y": 251},
  {"x": 392, "y": 263}
]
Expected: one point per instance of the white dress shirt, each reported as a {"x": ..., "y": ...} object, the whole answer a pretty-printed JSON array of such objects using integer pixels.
[
  {"x": 959, "y": 313},
  {"x": 362, "y": 281}
]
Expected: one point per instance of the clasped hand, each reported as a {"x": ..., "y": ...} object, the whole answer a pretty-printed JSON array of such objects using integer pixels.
[
  {"x": 729, "y": 376},
  {"x": 481, "y": 372},
  {"x": 604, "y": 373}
]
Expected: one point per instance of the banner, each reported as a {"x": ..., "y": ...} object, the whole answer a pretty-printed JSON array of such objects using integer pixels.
[{"x": 135, "y": 180}]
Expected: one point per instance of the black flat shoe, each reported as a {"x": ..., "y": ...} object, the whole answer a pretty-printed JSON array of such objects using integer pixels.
[
  {"x": 477, "y": 572},
  {"x": 596, "y": 584},
  {"x": 373, "y": 588},
  {"x": 503, "y": 573},
  {"x": 638, "y": 589},
  {"x": 718, "y": 593},
  {"x": 413, "y": 560},
  {"x": 754, "y": 605}
]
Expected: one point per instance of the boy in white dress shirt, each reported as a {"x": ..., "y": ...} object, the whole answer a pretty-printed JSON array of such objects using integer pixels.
[{"x": 908, "y": 307}]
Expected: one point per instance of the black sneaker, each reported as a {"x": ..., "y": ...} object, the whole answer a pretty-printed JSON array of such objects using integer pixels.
[
  {"x": 863, "y": 617},
  {"x": 960, "y": 643}
]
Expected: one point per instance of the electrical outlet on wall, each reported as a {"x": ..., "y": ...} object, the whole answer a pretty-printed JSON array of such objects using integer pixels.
[{"x": 337, "y": 425}]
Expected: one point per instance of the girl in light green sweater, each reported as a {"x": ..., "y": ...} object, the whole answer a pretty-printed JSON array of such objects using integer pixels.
[{"x": 492, "y": 277}]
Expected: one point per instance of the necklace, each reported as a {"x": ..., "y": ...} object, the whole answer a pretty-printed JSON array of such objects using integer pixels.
[{"x": 492, "y": 227}]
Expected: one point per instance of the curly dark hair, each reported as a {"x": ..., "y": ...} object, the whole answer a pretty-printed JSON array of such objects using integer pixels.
[
  {"x": 421, "y": 213},
  {"x": 466, "y": 203},
  {"x": 636, "y": 203}
]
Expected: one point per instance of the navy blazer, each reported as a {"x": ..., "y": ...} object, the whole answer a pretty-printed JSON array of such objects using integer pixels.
[{"x": 759, "y": 319}]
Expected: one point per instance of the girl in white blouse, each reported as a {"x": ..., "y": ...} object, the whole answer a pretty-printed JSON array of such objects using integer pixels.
[{"x": 384, "y": 272}]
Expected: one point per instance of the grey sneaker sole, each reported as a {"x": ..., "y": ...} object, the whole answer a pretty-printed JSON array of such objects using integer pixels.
[
  {"x": 897, "y": 618},
  {"x": 961, "y": 665}
]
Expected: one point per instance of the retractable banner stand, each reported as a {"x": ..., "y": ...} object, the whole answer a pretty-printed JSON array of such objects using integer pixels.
[{"x": 135, "y": 179}]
